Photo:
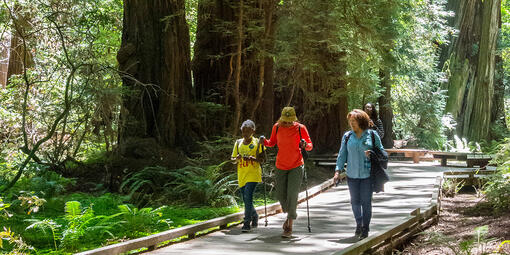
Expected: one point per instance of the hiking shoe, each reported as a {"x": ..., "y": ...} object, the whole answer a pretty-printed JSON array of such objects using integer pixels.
[
  {"x": 255, "y": 222},
  {"x": 246, "y": 228},
  {"x": 358, "y": 230},
  {"x": 364, "y": 233},
  {"x": 287, "y": 234}
]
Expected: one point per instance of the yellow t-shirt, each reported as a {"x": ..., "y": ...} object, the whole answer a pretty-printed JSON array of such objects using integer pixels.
[{"x": 247, "y": 170}]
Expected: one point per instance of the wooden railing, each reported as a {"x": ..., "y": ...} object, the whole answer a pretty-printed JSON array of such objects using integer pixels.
[
  {"x": 385, "y": 241},
  {"x": 153, "y": 240}
]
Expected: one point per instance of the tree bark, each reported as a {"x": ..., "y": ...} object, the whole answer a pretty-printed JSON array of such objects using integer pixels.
[
  {"x": 154, "y": 61},
  {"x": 20, "y": 58},
  {"x": 385, "y": 110},
  {"x": 4, "y": 60},
  {"x": 212, "y": 51},
  {"x": 216, "y": 57},
  {"x": 239, "y": 53},
  {"x": 472, "y": 67}
]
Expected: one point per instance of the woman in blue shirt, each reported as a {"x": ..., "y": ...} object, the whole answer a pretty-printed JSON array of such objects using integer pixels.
[{"x": 355, "y": 151}]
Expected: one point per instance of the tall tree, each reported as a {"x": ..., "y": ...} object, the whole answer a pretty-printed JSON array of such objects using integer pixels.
[
  {"x": 233, "y": 62},
  {"x": 472, "y": 66},
  {"x": 20, "y": 56},
  {"x": 4, "y": 60},
  {"x": 312, "y": 69},
  {"x": 385, "y": 110},
  {"x": 154, "y": 61}
]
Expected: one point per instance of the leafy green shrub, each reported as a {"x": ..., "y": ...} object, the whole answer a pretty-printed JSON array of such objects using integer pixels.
[
  {"x": 43, "y": 182},
  {"x": 141, "y": 186},
  {"x": 86, "y": 226},
  {"x": 3, "y": 207},
  {"x": 497, "y": 189},
  {"x": 204, "y": 186},
  {"x": 18, "y": 246},
  {"x": 45, "y": 225},
  {"x": 451, "y": 187},
  {"x": 140, "y": 220}
]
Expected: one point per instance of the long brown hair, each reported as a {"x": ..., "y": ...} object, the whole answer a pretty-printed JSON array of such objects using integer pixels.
[{"x": 361, "y": 117}]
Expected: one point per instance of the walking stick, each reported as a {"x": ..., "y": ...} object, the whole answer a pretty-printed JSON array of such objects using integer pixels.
[
  {"x": 264, "y": 183},
  {"x": 306, "y": 193}
]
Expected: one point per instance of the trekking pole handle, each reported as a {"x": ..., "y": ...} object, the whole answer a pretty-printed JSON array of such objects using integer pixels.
[{"x": 302, "y": 143}]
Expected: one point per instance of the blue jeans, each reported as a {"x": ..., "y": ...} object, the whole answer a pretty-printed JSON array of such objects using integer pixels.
[
  {"x": 247, "y": 195},
  {"x": 361, "y": 200}
]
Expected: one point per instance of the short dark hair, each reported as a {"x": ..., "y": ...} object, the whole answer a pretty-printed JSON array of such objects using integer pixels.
[
  {"x": 374, "y": 116},
  {"x": 361, "y": 117}
]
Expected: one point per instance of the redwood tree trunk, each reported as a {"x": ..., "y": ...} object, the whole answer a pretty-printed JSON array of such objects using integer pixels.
[
  {"x": 386, "y": 111},
  {"x": 154, "y": 61},
  {"x": 212, "y": 49},
  {"x": 249, "y": 92},
  {"x": 472, "y": 66},
  {"x": 20, "y": 57},
  {"x": 4, "y": 63}
]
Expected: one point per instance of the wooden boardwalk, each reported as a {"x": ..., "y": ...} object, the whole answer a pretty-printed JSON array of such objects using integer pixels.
[{"x": 332, "y": 223}]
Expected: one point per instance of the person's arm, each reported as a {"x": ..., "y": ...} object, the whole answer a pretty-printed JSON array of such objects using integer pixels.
[
  {"x": 340, "y": 160},
  {"x": 272, "y": 140},
  {"x": 342, "y": 155},
  {"x": 235, "y": 154},
  {"x": 379, "y": 128},
  {"x": 306, "y": 137},
  {"x": 260, "y": 151}
]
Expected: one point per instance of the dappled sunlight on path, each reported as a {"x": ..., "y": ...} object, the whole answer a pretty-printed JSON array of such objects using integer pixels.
[{"x": 331, "y": 218}]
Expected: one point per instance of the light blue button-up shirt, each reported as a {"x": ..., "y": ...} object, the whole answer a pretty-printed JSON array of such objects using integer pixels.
[{"x": 358, "y": 165}]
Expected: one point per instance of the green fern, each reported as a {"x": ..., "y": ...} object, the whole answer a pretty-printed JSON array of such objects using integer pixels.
[
  {"x": 86, "y": 226},
  {"x": 45, "y": 225},
  {"x": 204, "y": 186},
  {"x": 140, "y": 220},
  {"x": 72, "y": 210},
  {"x": 149, "y": 180}
]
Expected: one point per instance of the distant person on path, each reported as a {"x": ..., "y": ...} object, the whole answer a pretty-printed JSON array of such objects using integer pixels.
[
  {"x": 355, "y": 150},
  {"x": 291, "y": 137},
  {"x": 248, "y": 155},
  {"x": 375, "y": 123}
]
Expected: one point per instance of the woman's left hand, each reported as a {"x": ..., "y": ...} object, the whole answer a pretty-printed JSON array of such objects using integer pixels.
[{"x": 367, "y": 153}]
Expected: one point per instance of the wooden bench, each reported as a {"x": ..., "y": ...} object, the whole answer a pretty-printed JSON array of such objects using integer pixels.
[
  {"x": 469, "y": 176},
  {"x": 330, "y": 160},
  {"x": 472, "y": 159},
  {"x": 415, "y": 154}
]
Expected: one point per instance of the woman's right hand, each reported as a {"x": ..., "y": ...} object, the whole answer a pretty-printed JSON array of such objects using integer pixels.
[{"x": 338, "y": 177}]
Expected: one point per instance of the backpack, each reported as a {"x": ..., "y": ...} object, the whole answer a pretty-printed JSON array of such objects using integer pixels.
[{"x": 378, "y": 165}]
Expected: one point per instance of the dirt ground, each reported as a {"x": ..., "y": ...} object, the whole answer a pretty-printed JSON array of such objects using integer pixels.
[{"x": 455, "y": 232}]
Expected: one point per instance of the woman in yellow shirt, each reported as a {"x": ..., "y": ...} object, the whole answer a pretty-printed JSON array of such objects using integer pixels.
[{"x": 247, "y": 154}]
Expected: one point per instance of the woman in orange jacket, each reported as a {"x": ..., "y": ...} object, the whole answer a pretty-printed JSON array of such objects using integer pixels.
[{"x": 291, "y": 137}]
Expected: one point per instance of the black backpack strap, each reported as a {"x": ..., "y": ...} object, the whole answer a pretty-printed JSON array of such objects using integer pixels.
[
  {"x": 373, "y": 139},
  {"x": 347, "y": 138}
]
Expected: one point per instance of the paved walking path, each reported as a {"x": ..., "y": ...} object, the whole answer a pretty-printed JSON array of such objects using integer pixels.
[{"x": 331, "y": 218}]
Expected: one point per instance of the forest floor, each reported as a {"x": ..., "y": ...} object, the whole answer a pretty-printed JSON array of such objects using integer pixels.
[{"x": 461, "y": 218}]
